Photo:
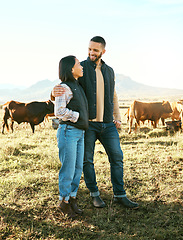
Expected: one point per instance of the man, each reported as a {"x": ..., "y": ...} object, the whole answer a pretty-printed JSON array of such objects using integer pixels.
[{"x": 98, "y": 84}]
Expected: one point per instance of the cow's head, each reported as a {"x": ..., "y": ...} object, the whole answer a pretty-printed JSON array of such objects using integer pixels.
[
  {"x": 167, "y": 107},
  {"x": 50, "y": 106}
]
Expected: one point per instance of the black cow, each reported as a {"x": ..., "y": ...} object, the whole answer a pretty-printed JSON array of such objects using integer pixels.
[
  {"x": 33, "y": 112},
  {"x": 173, "y": 125}
]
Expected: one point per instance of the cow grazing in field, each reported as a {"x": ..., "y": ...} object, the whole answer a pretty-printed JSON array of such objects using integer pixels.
[
  {"x": 127, "y": 115},
  {"x": 177, "y": 113},
  {"x": 152, "y": 111},
  {"x": 173, "y": 125},
  {"x": 33, "y": 113},
  {"x": 180, "y": 109}
]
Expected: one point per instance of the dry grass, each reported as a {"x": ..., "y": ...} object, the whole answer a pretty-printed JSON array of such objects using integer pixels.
[{"x": 153, "y": 176}]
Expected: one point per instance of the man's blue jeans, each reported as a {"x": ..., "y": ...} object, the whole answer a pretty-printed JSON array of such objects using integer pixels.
[
  {"x": 108, "y": 135},
  {"x": 71, "y": 153}
]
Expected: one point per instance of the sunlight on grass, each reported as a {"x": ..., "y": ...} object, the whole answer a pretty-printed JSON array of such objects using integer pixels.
[{"x": 29, "y": 167}]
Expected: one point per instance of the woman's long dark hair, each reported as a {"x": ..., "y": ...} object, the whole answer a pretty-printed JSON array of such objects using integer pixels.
[{"x": 65, "y": 68}]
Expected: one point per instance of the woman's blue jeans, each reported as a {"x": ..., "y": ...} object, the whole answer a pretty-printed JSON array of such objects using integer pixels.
[
  {"x": 71, "y": 153},
  {"x": 108, "y": 135}
]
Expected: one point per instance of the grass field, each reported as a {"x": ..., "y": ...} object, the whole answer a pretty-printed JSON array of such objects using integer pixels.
[{"x": 29, "y": 166}]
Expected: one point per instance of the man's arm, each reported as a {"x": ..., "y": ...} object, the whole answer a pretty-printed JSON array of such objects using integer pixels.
[
  {"x": 116, "y": 112},
  {"x": 57, "y": 91}
]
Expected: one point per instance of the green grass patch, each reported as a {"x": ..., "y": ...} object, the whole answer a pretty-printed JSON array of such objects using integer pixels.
[{"x": 153, "y": 176}]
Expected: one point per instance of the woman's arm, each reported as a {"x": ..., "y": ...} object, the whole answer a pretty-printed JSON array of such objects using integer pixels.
[{"x": 60, "y": 110}]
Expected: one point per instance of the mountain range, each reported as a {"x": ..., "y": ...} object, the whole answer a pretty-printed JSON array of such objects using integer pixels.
[{"x": 125, "y": 87}]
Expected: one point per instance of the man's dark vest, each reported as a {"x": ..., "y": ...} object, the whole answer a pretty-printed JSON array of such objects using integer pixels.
[
  {"x": 88, "y": 83},
  {"x": 79, "y": 104}
]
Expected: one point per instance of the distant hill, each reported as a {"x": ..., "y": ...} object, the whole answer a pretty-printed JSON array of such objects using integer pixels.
[
  {"x": 37, "y": 92},
  {"x": 126, "y": 88}
]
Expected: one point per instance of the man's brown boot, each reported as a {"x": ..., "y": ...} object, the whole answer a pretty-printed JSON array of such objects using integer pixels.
[
  {"x": 66, "y": 209},
  {"x": 73, "y": 203}
]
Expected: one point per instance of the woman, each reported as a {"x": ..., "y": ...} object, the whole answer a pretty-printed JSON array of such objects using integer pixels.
[{"x": 72, "y": 110}]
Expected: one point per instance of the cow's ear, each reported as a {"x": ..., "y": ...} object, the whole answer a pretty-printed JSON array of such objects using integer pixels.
[
  {"x": 52, "y": 97},
  {"x": 164, "y": 102},
  {"x": 48, "y": 102}
]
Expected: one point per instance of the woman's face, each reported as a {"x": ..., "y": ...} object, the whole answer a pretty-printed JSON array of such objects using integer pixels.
[{"x": 77, "y": 70}]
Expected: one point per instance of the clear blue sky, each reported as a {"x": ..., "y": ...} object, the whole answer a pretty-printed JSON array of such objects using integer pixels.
[{"x": 144, "y": 38}]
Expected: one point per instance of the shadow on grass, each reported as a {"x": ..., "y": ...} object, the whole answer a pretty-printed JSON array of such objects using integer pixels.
[
  {"x": 153, "y": 220},
  {"x": 154, "y": 142},
  {"x": 164, "y": 143}
]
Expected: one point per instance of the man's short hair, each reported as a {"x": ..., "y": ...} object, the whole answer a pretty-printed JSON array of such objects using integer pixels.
[{"x": 99, "y": 39}]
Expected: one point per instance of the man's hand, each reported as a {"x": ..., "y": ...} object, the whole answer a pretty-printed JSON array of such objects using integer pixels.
[
  {"x": 57, "y": 91},
  {"x": 117, "y": 123}
]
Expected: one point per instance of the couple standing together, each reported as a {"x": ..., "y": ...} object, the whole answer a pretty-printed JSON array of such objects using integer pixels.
[{"x": 87, "y": 107}]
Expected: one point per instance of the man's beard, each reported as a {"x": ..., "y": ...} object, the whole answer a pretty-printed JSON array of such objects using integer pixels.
[{"x": 97, "y": 58}]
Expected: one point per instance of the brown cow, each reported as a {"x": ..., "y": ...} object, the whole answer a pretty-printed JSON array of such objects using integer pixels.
[
  {"x": 127, "y": 114},
  {"x": 173, "y": 125},
  {"x": 33, "y": 113},
  {"x": 176, "y": 113},
  {"x": 152, "y": 111},
  {"x": 180, "y": 109}
]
